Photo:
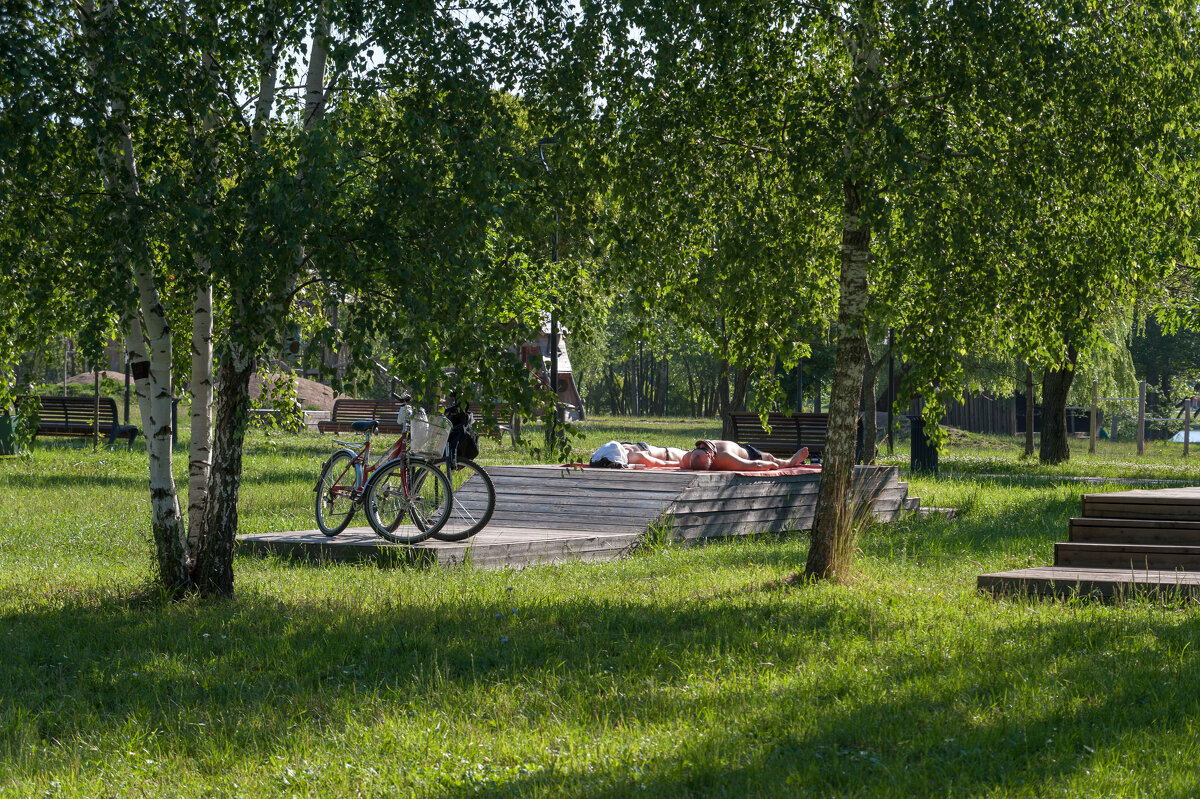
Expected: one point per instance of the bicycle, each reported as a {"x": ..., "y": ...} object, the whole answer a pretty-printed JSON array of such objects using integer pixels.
[
  {"x": 472, "y": 490},
  {"x": 398, "y": 485}
]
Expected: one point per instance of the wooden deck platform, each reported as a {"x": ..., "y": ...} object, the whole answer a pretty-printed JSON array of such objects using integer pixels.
[
  {"x": 1125, "y": 542},
  {"x": 546, "y": 514},
  {"x": 1064, "y": 582}
]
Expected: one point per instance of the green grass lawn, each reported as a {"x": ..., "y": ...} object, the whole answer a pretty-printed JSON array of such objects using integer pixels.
[{"x": 682, "y": 671}]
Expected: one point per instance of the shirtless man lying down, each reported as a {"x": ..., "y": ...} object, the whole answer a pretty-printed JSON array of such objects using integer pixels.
[{"x": 729, "y": 456}]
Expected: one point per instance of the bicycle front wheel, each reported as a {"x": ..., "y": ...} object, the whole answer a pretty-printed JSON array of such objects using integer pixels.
[
  {"x": 473, "y": 501},
  {"x": 335, "y": 504},
  {"x": 403, "y": 490}
]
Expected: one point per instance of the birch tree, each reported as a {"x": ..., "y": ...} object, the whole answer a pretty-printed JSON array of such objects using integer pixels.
[
  {"x": 225, "y": 166},
  {"x": 913, "y": 124}
]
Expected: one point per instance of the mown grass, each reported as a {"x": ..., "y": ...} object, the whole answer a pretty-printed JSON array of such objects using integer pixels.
[
  {"x": 1004, "y": 455},
  {"x": 677, "y": 672}
]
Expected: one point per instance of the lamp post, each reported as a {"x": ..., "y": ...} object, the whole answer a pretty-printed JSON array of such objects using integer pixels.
[
  {"x": 891, "y": 386},
  {"x": 552, "y": 427}
]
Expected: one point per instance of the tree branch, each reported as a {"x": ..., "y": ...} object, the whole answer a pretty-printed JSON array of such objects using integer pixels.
[{"x": 757, "y": 148}]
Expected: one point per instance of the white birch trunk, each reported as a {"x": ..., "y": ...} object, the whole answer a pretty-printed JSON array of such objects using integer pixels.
[
  {"x": 214, "y": 558},
  {"x": 200, "y": 388},
  {"x": 314, "y": 85},
  {"x": 833, "y": 531},
  {"x": 834, "y": 527},
  {"x": 116, "y": 155},
  {"x": 201, "y": 392}
]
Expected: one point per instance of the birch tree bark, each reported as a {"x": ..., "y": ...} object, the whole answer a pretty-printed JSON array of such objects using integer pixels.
[
  {"x": 200, "y": 387},
  {"x": 214, "y": 556},
  {"x": 251, "y": 322},
  {"x": 118, "y": 162},
  {"x": 200, "y": 391},
  {"x": 833, "y": 531}
]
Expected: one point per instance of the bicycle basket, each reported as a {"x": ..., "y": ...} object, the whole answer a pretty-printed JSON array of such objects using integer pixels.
[{"x": 429, "y": 436}]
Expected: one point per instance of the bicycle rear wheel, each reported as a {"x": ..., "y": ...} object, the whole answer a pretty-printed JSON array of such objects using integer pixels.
[
  {"x": 407, "y": 489},
  {"x": 473, "y": 501},
  {"x": 335, "y": 507}
]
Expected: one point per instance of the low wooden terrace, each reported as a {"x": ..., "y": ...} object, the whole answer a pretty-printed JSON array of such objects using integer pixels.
[{"x": 546, "y": 514}]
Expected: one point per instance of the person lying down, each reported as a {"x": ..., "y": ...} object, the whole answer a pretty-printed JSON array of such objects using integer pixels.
[
  {"x": 729, "y": 456},
  {"x": 717, "y": 456},
  {"x": 621, "y": 454}
]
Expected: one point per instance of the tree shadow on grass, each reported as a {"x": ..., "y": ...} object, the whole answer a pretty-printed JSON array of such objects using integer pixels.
[
  {"x": 59, "y": 481},
  {"x": 1017, "y": 706},
  {"x": 937, "y": 722}
]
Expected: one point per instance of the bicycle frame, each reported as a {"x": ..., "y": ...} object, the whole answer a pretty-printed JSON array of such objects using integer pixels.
[{"x": 363, "y": 468}]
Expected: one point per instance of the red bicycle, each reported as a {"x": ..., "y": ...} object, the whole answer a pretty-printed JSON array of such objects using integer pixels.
[{"x": 407, "y": 499}]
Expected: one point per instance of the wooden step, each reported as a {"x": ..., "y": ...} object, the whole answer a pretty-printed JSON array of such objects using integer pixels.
[
  {"x": 1134, "y": 531},
  {"x": 1182, "y": 504},
  {"x": 1138, "y": 557},
  {"x": 1100, "y": 583},
  {"x": 912, "y": 503}
]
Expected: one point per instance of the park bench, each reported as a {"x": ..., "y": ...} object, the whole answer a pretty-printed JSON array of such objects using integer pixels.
[
  {"x": 347, "y": 411},
  {"x": 75, "y": 417},
  {"x": 789, "y": 432},
  {"x": 812, "y": 428},
  {"x": 496, "y": 428}
]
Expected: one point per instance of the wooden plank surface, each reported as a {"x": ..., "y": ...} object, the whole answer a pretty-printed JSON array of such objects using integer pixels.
[
  {"x": 494, "y": 546},
  {"x": 689, "y": 505},
  {"x": 1181, "y": 503},
  {"x": 1166, "y": 510},
  {"x": 1126, "y": 556},
  {"x": 1134, "y": 531},
  {"x": 1151, "y": 495},
  {"x": 1068, "y": 581}
]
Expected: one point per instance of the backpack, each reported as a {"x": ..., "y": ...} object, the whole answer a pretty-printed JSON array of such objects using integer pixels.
[{"x": 463, "y": 441}]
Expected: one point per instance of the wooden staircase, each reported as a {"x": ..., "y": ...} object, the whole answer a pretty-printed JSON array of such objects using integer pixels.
[{"x": 1125, "y": 542}]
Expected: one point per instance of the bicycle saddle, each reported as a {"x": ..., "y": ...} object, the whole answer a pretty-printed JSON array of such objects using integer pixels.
[{"x": 364, "y": 426}]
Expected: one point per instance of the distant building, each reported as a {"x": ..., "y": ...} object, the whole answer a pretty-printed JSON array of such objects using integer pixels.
[{"x": 537, "y": 357}]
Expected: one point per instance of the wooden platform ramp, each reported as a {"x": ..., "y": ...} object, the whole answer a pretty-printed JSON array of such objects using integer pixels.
[
  {"x": 1126, "y": 542},
  {"x": 546, "y": 514}
]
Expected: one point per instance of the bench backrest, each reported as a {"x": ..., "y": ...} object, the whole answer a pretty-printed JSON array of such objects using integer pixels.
[
  {"x": 748, "y": 429},
  {"x": 788, "y": 433},
  {"x": 353, "y": 410},
  {"x": 496, "y": 410},
  {"x": 63, "y": 411},
  {"x": 812, "y": 428}
]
